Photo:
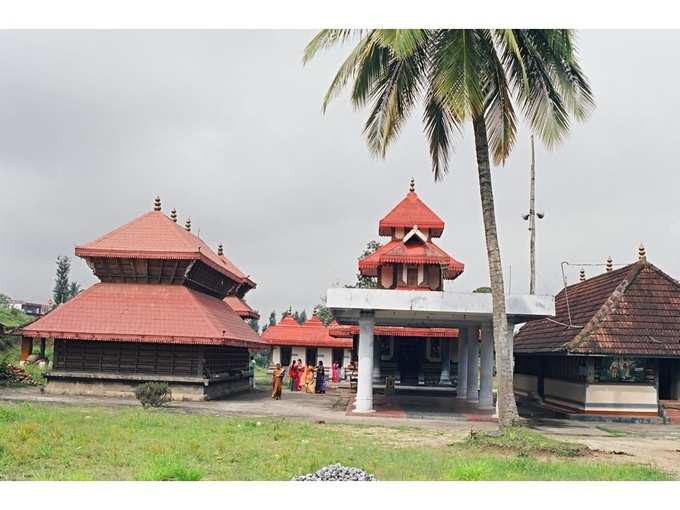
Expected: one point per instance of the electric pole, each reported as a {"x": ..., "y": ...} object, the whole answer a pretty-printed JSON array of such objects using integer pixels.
[{"x": 532, "y": 220}]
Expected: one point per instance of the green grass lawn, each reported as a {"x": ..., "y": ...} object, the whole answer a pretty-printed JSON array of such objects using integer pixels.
[{"x": 47, "y": 442}]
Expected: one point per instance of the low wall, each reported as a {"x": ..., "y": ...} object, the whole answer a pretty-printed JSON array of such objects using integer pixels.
[
  {"x": 525, "y": 385},
  {"x": 567, "y": 394}
]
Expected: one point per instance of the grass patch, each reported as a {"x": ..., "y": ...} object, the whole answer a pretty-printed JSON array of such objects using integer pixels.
[
  {"x": 612, "y": 432},
  {"x": 526, "y": 442},
  {"x": 48, "y": 442}
]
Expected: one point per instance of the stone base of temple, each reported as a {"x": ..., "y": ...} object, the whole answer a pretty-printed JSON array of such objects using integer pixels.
[{"x": 121, "y": 385}]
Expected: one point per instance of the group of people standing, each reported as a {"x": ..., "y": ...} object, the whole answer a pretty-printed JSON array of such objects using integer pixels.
[{"x": 307, "y": 378}]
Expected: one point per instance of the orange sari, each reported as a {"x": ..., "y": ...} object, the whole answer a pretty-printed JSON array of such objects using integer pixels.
[
  {"x": 309, "y": 379},
  {"x": 277, "y": 383}
]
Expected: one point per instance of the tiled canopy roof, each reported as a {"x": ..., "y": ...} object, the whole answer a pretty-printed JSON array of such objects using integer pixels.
[
  {"x": 155, "y": 236},
  {"x": 634, "y": 310},
  {"x": 312, "y": 333},
  {"x": 412, "y": 252},
  {"x": 145, "y": 313},
  {"x": 350, "y": 331},
  {"x": 241, "y": 308},
  {"x": 409, "y": 212}
]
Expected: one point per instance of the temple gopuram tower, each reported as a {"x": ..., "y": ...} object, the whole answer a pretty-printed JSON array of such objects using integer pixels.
[
  {"x": 411, "y": 260},
  {"x": 162, "y": 311}
]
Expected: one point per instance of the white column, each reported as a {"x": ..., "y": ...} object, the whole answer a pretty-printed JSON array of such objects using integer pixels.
[
  {"x": 473, "y": 365},
  {"x": 364, "y": 401},
  {"x": 461, "y": 388},
  {"x": 376, "y": 361},
  {"x": 486, "y": 368},
  {"x": 444, "y": 376}
]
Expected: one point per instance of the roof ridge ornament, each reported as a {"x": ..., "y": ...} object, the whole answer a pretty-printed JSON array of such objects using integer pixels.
[
  {"x": 173, "y": 215},
  {"x": 642, "y": 253},
  {"x": 610, "y": 263},
  {"x": 220, "y": 250},
  {"x": 187, "y": 225},
  {"x": 157, "y": 203},
  {"x": 582, "y": 275},
  {"x": 412, "y": 187}
]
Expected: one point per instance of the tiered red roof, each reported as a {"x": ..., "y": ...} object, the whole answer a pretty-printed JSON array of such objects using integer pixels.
[
  {"x": 313, "y": 333},
  {"x": 155, "y": 236},
  {"x": 339, "y": 331},
  {"x": 409, "y": 212},
  {"x": 242, "y": 308},
  {"x": 141, "y": 312},
  {"x": 155, "y": 312},
  {"x": 632, "y": 311},
  {"x": 410, "y": 253}
]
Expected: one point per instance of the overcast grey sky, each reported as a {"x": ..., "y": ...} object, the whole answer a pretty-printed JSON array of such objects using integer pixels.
[{"x": 227, "y": 127}]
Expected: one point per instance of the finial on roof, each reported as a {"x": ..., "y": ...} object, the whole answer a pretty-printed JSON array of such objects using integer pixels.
[
  {"x": 220, "y": 249},
  {"x": 173, "y": 215},
  {"x": 582, "y": 275},
  {"x": 187, "y": 225},
  {"x": 412, "y": 188},
  {"x": 642, "y": 254},
  {"x": 290, "y": 310},
  {"x": 610, "y": 264},
  {"x": 157, "y": 203}
]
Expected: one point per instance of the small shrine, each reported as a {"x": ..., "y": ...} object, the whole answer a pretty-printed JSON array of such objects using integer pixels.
[{"x": 167, "y": 308}]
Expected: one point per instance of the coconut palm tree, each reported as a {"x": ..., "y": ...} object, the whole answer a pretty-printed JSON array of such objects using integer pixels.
[{"x": 476, "y": 75}]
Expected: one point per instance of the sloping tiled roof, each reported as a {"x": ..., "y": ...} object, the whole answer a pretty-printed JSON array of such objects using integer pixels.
[
  {"x": 409, "y": 212},
  {"x": 413, "y": 252},
  {"x": 634, "y": 310},
  {"x": 241, "y": 308},
  {"x": 155, "y": 236},
  {"x": 145, "y": 313},
  {"x": 312, "y": 333},
  {"x": 350, "y": 331}
]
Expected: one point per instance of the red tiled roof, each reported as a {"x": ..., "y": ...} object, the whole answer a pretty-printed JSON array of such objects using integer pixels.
[
  {"x": 409, "y": 212},
  {"x": 634, "y": 310},
  {"x": 145, "y": 313},
  {"x": 241, "y": 308},
  {"x": 412, "y": 252},
  {"x": 155, "y": 236},
  {"x": 312, "y": 333},
  {"x": 350, "y": 331}
]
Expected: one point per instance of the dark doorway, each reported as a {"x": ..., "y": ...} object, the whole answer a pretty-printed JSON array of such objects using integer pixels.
[
  {"x": 410, "y": 359},
  {"x": 667, "y": 375},
  {"x": 338, "y": 355},
  {"x": 310, "y": 355},
  {"x": 286, "y": 353}
]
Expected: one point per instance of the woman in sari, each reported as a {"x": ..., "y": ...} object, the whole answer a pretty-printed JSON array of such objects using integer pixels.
[
  {"x": 309, "y": 378},
  {"x": 292, "y": 374},
  {"x": 299, "y": 378},
  {"x": 335, "y": 373},
  {"x": 320, "y": 378},
  {"x": 277, "y": 382}
]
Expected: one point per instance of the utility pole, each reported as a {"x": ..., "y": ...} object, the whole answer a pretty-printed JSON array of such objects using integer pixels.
[{"x": 532, "y": 220}]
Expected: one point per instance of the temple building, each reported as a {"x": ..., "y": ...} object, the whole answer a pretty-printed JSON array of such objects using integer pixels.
[
  {"x": 310, "y": 342},
  {"x": 410, "y": 326},
  {"x": 157, "y": 314},
  {"x": 611, "y": 348}
]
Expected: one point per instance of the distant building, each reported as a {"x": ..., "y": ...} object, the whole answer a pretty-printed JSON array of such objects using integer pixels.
[{"x": 33, "y": 309}]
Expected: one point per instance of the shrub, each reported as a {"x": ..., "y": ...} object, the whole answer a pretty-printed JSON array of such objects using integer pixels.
[{"x": 153, "y": 394}]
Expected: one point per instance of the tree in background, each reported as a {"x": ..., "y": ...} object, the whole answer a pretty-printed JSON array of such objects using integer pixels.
[
  {"x": 254, "y": 324},
  {"x": 366, "y": 282},
  {"x": 324, "y": 313},
  {"x": 74, "y": 289},
  {"x": 270, "y": 322},
  {"x": 4, "y": 301},
  {"x": 466, "y": 75},
  {"x": 60, "y": 294},
  {"x": 302, "y": 317}
]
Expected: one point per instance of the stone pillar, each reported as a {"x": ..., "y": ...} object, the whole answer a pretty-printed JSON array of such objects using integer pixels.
[
  {"x": 486, "y": 368},
  {"x": 26, "y": 348},
  {"x": 364, "y": 400},
  {"x": 376, "y": 361},
  {"x": 461, "y": 387},
  {"x": 473, "y": 365},
  {"x": 445, "y": 350}
]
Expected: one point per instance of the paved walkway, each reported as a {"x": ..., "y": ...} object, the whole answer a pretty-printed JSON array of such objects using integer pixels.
[{"x": 645, "y": 443}]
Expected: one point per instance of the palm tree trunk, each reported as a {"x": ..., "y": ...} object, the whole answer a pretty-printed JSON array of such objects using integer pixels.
[{"x": 507, "y": 408}]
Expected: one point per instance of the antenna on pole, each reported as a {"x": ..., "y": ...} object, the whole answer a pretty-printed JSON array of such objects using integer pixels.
[{"x": 531, "y": 217}]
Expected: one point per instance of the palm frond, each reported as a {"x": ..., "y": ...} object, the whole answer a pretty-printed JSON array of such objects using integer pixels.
[
  {"x": 402, "y": 43},
  {"x": 325, "y": 39},
  {"x": 441, "y": 126}
]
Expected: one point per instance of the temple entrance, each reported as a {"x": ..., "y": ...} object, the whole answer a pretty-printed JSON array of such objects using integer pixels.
[
  {"x": 338, "y": 355},
  {"x": 286, "y": 353},
  {"x": 410, "y": 354},
  {"x": 669, "y": 371},
  {"x": 310, "y": 355}
]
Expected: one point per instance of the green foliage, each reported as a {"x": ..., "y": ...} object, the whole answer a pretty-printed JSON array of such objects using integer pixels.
[
  {"x": 482, "y": 290},
  {"x": 4, "y": 301},
  {"x": 460, "y": 75},
  {"x": 254, "y": 324},
  {"x": 61, "y": 294},
  {"x": 526, "y": 442},
  {"x": 366, "y": 282},
  {"x": 13, "y": 318},
  {"x": 153, "y": 394},
  {"x": 53, "y": 442},
  {"x": 324, "y": 313},
  {"x": 74, "y": 289}
]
